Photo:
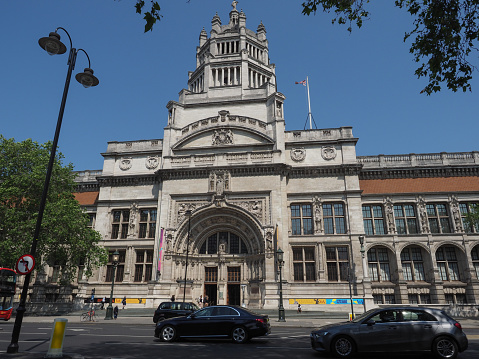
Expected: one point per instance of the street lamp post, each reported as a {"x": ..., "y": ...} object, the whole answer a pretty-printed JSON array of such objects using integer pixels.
[
  {"x": 115, "y": 261},
  {"x": 280, "y": 253},
  {"x": 52, "y": 45},
  {"x": 188, "y": 215}
]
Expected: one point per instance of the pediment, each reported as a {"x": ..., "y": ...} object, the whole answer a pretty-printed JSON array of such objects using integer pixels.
[{"x": 223, "y": 137}]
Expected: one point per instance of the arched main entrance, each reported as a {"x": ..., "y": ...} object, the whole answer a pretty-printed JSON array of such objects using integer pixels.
[{"x": 226, "y": 250}]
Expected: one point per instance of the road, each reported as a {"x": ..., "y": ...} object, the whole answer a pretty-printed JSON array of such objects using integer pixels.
[{"x": 122, "y": 341}]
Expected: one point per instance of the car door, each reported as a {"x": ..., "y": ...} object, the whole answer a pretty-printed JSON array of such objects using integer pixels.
[
  {"x": 198, "y": 324},
  {"x": 224, "y": 318},
  {"x": 378, "y": 333},
  {"x": 421, "y": 330}
]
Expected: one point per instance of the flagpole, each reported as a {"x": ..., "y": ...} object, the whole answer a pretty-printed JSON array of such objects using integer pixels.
[{"x": 309, "y": 105}]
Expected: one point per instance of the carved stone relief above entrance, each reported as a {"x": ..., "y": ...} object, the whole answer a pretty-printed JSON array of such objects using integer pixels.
[
  {"x": 254, "y": 206},
  {"x": 298, "y": 154},
  {"x": 222, "y": 137}
]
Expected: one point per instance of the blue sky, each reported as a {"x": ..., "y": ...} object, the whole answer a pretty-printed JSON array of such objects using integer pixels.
[{"x": 364, "y": 79}]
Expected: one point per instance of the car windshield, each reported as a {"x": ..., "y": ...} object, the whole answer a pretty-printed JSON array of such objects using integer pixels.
[{"x": 362, "y": 316}]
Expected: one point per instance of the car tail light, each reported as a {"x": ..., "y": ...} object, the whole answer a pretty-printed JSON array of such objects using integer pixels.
[
  {"x": 261, "y": 320},
  {"x": 458, "y": 325}
]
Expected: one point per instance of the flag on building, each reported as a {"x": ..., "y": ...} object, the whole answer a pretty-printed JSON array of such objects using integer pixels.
[{"x": 301, "y": 83}]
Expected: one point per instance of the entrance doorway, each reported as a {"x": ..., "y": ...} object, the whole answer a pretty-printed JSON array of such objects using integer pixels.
[
  {"x": 234, "y": 294},
  {"x": 211, "y": 287},
  {"x": 211, "y": 291},
  {"x": 234, "y": 279}
]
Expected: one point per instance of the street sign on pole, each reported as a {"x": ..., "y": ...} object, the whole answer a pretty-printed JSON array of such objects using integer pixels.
[{"x": 25, "y": 264}]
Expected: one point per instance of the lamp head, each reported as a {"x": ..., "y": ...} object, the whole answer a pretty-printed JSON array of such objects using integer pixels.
[
  {"x": 52, "y": 44},
  {"x": 361, "y": 240},
  {"x": 188, "y": 213},
  {"x": 87, "y": 79},
  {"x": 280, "y": 253},
  {"x": 116, "y": 257}
]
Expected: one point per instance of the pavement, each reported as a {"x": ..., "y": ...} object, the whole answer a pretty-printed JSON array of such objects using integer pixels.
[{"x": 306, "y": 319}]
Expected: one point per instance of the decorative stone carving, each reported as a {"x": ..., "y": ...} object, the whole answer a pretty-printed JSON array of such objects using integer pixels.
[
  {"x": 152, "y": 162},
  {"x": 269, "y": 242},
  {"x": 222, "y": 137},
  {"x": 328, "y": 153},
  {"x": 133, "y": 214},
  {"x": 389, "y": 209},
  {"x": 254, "y": 207},
  {"x": 421, "y": 209},
  {"x": 317, "y": 210},
  {"x": 219, "y": 182},
  {"x": 298, "y": 154},
  {"x": 125, "y": 163},
  {"x": 182, "y": 208},
  {"x": 456, "y": 213}
]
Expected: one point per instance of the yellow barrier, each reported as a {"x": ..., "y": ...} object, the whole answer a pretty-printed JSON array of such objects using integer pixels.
[{"x": 56, "y": 340}]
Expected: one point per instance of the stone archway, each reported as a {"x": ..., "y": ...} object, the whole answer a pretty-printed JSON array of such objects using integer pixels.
[{"x": 226, "y": 255}]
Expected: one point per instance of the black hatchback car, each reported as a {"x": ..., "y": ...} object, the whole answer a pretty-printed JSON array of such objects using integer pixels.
[
  {"x": 168, "y": 310},
  {"x": 219, "y": 321},
  {"x": 393, "y": 330}
]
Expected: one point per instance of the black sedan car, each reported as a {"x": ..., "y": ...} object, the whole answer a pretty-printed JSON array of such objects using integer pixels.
[
  {"x": 393, "y": 329},
  {"x": 219, "y": 321}
]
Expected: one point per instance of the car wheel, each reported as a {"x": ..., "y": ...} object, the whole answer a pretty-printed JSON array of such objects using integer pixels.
[
  {"x": 342, "y": 347},
  {"x": 239, "y": 335},
  {"x": 168, "y": 333},
  {"x": 444, "y": 348}
]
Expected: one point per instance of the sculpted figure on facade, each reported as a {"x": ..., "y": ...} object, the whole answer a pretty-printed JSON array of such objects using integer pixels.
[
  {"x": 456, "y": 213},
  {"x": 317, "y": 208},
  {"x": 182, "y": 208},
  {"x": 389, "y": 209},
  {"x": 133, "y": 214},
  {"x": 421, "y": 209},
  {"x": 269, "y": 243},
  {"x": 328, "y": 153}
]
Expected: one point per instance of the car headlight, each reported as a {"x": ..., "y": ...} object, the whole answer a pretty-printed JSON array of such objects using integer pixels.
[{"x": 318, "y": 335}]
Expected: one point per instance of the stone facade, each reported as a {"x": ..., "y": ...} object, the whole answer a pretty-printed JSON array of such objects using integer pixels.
[{"x": 252, "y": 188}]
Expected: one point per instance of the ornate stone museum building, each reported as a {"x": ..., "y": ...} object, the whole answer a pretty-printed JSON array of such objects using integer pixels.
[{"x": 227, "y": 187}]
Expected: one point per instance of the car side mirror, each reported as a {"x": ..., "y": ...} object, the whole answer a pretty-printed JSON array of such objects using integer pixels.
[{"x": 370, "y": 322}]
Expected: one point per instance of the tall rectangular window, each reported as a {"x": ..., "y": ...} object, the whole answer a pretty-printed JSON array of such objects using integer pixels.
[
  {"x": 334, "y": 218},
  {"x": 438, "y": 217},
  {"x": 120, "y": 222},
  {"x": 304, "y": 264},
  {"x": 337, "y": 262},
  {"x": 406, "y": 220},
  {"x": 466, "y": 209},
  {"x": 373, "y": 219},
  {"x": 120, "y": 268},
  {"x": 143, "y": 265},
  {"x": 378, "y": 264},
  {"x": 147, "y": 223},
  {"x": 412, "y": 264},
  {"x": 447, "y": 263},
  {"x": 301, "y": 219}
]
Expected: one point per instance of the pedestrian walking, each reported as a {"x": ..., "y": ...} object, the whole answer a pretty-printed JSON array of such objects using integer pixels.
[
  {"x": 299, "y": 308},
  {"x": 200, "y": 301},
  {"x": 206, "y": 301},
  {"x": 124, "y": 302},
  {"x": 115, "y": 312},
  {"x": 173, "y": 298},
  {"x": 103, "y": 303}
]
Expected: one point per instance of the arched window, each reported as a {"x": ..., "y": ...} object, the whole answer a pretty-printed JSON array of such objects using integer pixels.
[
  {"x": 475, "y": 259},
  {"x": 232, "y": 244},
  {"x": 447, "y": 263}
]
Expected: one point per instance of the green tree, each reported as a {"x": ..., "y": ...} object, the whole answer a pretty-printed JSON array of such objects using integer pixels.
[
  {"x": 471, "y": 221},
  {"x": 444, "y": 35},
  {"x": 65, "y": 237}
]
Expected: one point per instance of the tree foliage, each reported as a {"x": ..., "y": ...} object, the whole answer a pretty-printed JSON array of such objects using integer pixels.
[
  {"x": 65, "y": 238},
  {"x": 444, "y": 35},
  {"x": 150, "y": 16},
  {"x": 471, "y": 221}
]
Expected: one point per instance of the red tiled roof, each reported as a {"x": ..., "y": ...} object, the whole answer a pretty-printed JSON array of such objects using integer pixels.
[
  {"x": 86, "y": 198},
  {"x": 420, "y": 185}
]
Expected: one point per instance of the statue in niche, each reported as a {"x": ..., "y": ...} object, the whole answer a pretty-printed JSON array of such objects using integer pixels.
[
  {"x": 456, "y": 213},
  {"x": 133, "y": 214},
  {"x": 269, "y": 241},
  {"x": 389, "y": 209},
  {"x": 212, "y": 182},
  {"x": 219, "y": 186},
  {"x": 318, "y": 225},
  {"x": 421, "y": 208}
]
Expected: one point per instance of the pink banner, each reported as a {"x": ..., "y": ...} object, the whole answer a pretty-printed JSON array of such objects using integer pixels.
[{"x": 160, "y": 251}]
